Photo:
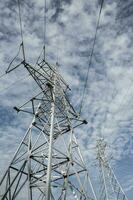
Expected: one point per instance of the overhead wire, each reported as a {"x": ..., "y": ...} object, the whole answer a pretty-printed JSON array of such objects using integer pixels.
[
  {"x": 22, "y": 40},
  {"x": 2, "y": 75},
  {"x": 21, "y": 28},
  {"x": 91, "y": 56},
  {"x": 17, "y": 81},
  {"x": 44, "y": 27},
  {"x": 42, "y": 52},
  {"x": 58, "y": 39},
  {"x": 14, "y": 58},
  {"x": 22, "y": 45}
]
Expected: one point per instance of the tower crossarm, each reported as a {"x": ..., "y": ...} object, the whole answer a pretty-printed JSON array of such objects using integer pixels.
[{"x": 49, "y": 157}]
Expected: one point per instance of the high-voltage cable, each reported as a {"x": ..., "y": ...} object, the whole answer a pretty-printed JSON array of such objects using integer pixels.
[
  {"x": 45, "y": 23},
  {"x": 17, "y": 81},
  {"x": 44, "y": 27},
  {"x": 22, "y": 38},
  {"x": 21, "y": 28},
  {"x": 90, "y": 60}
]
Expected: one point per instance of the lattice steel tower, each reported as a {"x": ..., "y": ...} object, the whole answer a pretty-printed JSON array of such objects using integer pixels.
[
  {"x": 110, "y": 188},
  {"x": 48, "y": 164}
]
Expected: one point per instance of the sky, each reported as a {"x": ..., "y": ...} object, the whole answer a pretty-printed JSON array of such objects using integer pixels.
[{"x": 70, "y": 29}]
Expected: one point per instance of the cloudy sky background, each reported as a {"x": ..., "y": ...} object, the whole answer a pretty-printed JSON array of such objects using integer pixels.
[{"x": 108, "y": 105}]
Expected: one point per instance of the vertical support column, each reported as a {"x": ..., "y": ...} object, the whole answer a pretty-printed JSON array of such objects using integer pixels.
[
  {"x": 30, "y": 151},
  {"x": 65, "y": 188},
  {"x": 48, "y": 183},
  {"x": 29, "y": 168},
  {"x": 66, "y": 177},
  {"x": 106, "y": 192},
  {"x": 9, "y": 182},
  {"x": 100, "y": 155}
]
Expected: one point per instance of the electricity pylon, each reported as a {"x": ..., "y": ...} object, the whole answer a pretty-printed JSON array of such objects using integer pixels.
[
  {"x": 110, "y": 188},
  {"x": 48, "y": 164}
]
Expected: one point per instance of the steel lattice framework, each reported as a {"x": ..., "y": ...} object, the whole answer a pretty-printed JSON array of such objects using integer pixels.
[
  {"x": 110, "y": 188},
  {"x": 48, "y": 164}
]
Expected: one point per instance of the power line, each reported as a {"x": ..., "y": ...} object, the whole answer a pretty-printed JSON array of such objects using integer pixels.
[
  {"x": 14, "y": 58},
  {"x": 21, "y": 47},
  {"x": 2, "y": 75},
  {"x": 22, "y": 38},
  {"x": 44, "y": 27},
  {"x": 58, "y": 38},
  {"x": 91, "y": 56},
  {"x": 21, "y": 28},
  {"x": 45, "y": 21},
  {"x": 20, "y": 20},
  {"x": 17, "y": 81}
]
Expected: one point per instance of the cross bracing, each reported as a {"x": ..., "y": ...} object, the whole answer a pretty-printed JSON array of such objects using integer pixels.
[
  {"x": 110, "y": 188},
  {"x": 48, "y": 163}
]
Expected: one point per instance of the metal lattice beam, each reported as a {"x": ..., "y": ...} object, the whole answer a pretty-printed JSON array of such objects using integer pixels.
[
  {"x": 110, "y": 187},
  {"x": 48, "y": 163}
]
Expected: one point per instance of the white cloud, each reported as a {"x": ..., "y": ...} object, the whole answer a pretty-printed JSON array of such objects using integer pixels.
[{"x": 108, "y": 103}]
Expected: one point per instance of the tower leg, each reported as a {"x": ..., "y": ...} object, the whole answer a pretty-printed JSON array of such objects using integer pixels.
[{"x": 48, "y": 183}]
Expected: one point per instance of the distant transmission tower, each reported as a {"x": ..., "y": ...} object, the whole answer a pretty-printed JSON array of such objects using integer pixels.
[
  {"x": 110, "y": 188},
  {"x": 48, "y": 164}
]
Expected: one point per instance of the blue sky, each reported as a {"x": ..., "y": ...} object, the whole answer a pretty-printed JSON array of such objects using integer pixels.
[{"x": 70, "y": 31}]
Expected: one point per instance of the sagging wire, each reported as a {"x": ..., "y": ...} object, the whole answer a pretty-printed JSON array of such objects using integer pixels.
[
  {"x": 17, "y": 81},
  {"x": 2, "y": 75},
  {"x": 58, "y": 39},
  {"x": 21, "y": 28},
  {"x": 91, "y": 56},
  {"x": 7, "y": 70},
  {"x": 44, "y": 28},
  {"x": 21, "y": 45}
]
